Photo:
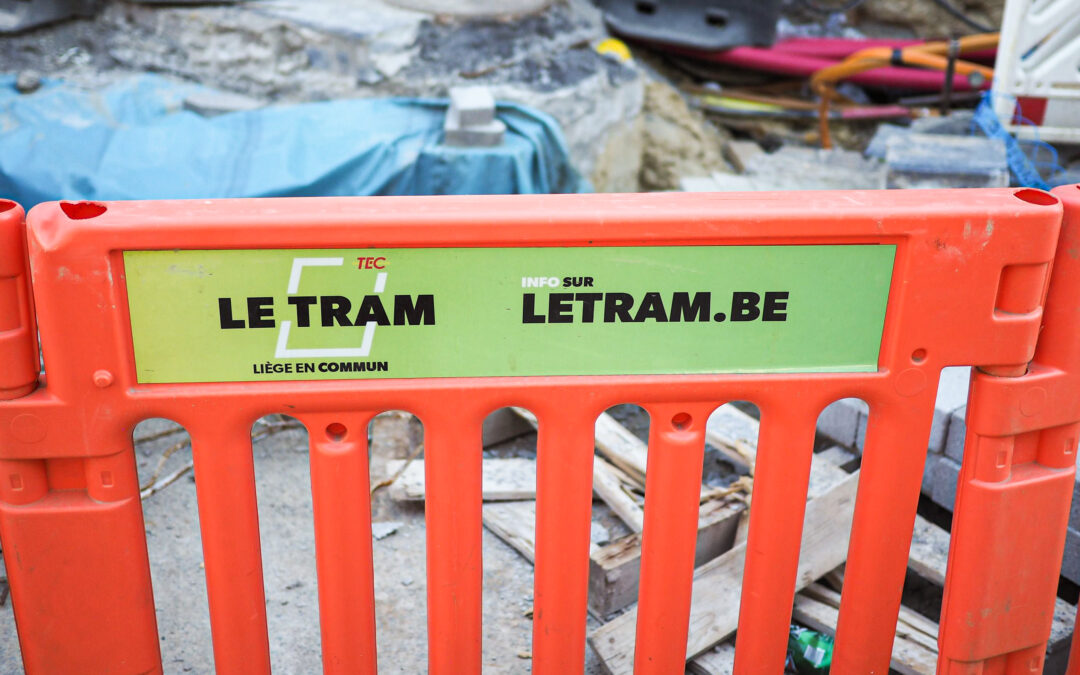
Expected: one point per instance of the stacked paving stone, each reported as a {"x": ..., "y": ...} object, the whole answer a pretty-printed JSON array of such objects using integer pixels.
[
  {"x": 845, "y": 422},
  {"x": 470, "y": 119}
]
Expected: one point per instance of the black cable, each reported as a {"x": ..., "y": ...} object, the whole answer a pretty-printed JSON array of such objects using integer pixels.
[{"x": 945, "y": 5}]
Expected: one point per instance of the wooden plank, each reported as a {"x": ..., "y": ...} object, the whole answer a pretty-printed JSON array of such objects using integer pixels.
[
  {"x": 628, "y": 455},
  {"x": 910, "y": 625},
  {"x": 503, "y": 425},
  {"x": 514, "y": 523},
  {"x": 734, "y": 434},
  {"x": 908, "y": 657},
  {"x": 717, "y": 586},
  {"x": 614, "y": 569},
  {"x": 503, "y": 479},
  {"x": 929, "y": 553},
  {"x": 720, "y": 660},
  {"x": 608, "y": 486},
  {"x": 731, "y": 431},
  {"x": 621, "y": 447}
]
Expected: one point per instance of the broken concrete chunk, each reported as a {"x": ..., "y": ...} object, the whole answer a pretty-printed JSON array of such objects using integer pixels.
[
  {"x": 384, "y": 530},
  {"x": 794, "y": 168},
  {"x": 474, "y": 106},
  {"x": 740, "y": 153}
]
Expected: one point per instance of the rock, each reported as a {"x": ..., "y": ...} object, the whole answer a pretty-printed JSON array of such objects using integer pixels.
[
  {"x": 288, "y": 51},
  {"x": 795, "y": 168},
  {"x": 210, "y": 103},
  {"x": 384, "y": 530},
  {"x": 474, "y": 8},
  {"x": 677, "y": 141},
  {"x": 925, "y": 19},
  {"x": 27, "y": 81}
]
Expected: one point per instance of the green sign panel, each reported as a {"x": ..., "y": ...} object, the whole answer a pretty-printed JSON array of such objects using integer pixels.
[{"x": 251, "y": 315}]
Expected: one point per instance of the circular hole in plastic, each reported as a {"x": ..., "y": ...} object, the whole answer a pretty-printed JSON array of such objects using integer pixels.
[
  {"x": 919, "y": 355},
  {"x": 1036, "y": 197},
  {"x": 681, "y": 421},
  {"x": 6, "y": 205},
  {"x": 82, "y": 210},
  {"x": 336, "y": 431}
]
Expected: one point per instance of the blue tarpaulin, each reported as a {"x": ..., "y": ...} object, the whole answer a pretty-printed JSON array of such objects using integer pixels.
[{"x": 134, "y": 140}]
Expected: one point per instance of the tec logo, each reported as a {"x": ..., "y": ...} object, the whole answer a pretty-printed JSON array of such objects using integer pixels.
[{"x": 370, "y": 263}]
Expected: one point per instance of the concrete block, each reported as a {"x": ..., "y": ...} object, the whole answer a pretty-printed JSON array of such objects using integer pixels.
[
  {"x": 936, "y": 160},
  {"x": 954, "y": 439},
  {"x": 944, "y": 475},
  {"x": 1061, "y": 630},
  {"x": 474, "y": 106},
  {"x": 860, "y": 431},
  {"x": 952, "y": 395},
  {"x": 1070, "y": 566},
  {"x": 1074, "y": 512},
  {"x": 928, "y": 475},
  {"x": 839, "y": 421},
  {"x": 841, "y": 457},
  {"x": 479, "y": 136}
]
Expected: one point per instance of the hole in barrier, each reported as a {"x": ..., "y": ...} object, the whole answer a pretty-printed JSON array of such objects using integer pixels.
[
  {"x": 280, "y": 450},
  {"x": 621, "y": 436},
  {"x": 82, "y": 210},
  {"x": 830, "y": 495},
  {"x": 1037, "y": 197},
  {"x": 6, "y": 205},
  {"x": 644, "y": 7},
  {"x": 336, "y": 431},
  {"x": 681, "y": 421},
  {"x": 399, "y": 545},
  {"x": 918, "y": 356},
  {"x": 731, "y": 441},
  {"x": 509, "y": 538},
  {"x": 174, "y": 543}
]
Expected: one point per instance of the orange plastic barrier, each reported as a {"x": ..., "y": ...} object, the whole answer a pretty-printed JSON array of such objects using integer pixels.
[{"x": 214, "y": 314}]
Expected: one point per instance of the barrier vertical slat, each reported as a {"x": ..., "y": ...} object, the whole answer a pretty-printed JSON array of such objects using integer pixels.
[
  {"x": 343, "y": 550},
  {"x": 229, "y": 524},
  {"x": 452, "y": 474},
  {"x": 563, "y": 520},
  {"x": 669, "y": 538},
  {"x": 891, "y": 476},
  {"x": 781, "y": 478}
]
